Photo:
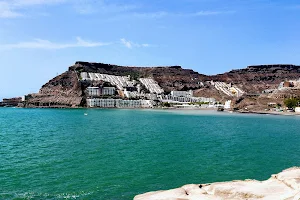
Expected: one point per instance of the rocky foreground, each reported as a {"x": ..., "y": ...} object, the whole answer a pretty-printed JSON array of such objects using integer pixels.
[{"x": 282, "y": 186}]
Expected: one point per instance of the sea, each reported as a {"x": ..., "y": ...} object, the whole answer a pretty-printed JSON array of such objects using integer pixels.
[{"x": 115, "y": 154}]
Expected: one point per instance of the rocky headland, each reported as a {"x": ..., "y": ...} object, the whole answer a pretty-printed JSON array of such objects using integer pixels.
[
  {"x": 67, "y": 90},
  {"x": 64, "y": 90},
  {"x": 282, "y": 186}
]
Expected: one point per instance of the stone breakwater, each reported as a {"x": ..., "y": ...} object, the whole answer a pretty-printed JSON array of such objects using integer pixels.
[{"x": 282, "y": 186}]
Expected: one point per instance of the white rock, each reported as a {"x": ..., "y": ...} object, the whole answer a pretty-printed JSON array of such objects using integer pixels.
[{"x": 282, "y": 186}]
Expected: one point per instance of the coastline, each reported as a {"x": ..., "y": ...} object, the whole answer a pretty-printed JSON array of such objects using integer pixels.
[
  {"x": 269, "y": 113},
  {"x": 172, "y": 109}
]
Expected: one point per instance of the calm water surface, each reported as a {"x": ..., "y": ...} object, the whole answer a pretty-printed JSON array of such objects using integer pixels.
[{"x": 116, "y": 154}]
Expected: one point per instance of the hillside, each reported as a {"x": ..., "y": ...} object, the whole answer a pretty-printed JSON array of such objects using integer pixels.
[
  {"x": 169, "y": 78},
  {"x": 68, "y": 90},
  {"x": 255, "y": 79}
]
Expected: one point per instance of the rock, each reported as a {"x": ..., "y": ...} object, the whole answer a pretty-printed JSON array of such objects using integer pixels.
[
  {"x": 62, "y": 91},
  {"x": 282, "y": 186}
]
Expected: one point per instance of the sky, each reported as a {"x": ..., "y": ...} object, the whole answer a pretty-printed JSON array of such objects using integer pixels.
[{"x": 40, "y": 39}]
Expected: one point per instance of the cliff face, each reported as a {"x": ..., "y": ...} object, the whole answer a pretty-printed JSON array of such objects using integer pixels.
[
  {"x": 62, "y": 91},
  {"x": 65, "y": 84},
  {"x": 67, "y": 90}
]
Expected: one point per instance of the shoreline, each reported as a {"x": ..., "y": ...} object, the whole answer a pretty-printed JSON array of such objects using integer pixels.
[
  {"x": 269, "y": 113},
  {"x": 174, "y": 109},
  {"x": 282, "y": 186}
]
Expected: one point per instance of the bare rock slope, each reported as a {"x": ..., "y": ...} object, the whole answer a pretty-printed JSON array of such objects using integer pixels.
[
  {"x": 282, "y": 186},
  {"x": 62, "y": 91}
]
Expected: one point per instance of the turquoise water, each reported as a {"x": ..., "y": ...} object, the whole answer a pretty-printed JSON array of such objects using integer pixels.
[{"x": 116, "y": 154}]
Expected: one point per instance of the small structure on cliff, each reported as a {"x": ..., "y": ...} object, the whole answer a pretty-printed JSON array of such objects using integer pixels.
[{"x": 289, "y": 84}]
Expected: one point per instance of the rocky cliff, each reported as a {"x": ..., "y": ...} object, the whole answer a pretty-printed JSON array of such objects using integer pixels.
[
  {"x": 255, "y": 79},
  {"x": 67, "y": 89},
  {"x": 62, "y": 91},
  {"x": 282, "y": 186}
]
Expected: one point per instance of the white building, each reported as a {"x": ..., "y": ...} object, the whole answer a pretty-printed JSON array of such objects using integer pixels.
[
  {"x": 151, "y": 85},
  {"x": 128, "y": 103},
  {"x": 119, "y": 81},
  {"x": 102, "y": 103},
  {"x": 93, "y": 91},
  {"x": 227, "y": 104},
  {"x": 108, "y": 91},
  {"x": 182, "y": 93},
  {"x": 96, "y": 91},
  {"x": 146, "y": 103},
  {"x": 119, "y": 103},
  {"x": 25, "y": 97},
  {"x": 133, "y": 94},
  {"x": 228, "y": 89},
  {"x": 180, "y": 99},
  {"x": 151, "y": 96}
]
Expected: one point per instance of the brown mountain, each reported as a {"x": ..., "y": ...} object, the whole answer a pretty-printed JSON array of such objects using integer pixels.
[
  {"x": 68, "y": 90},
  {"x": 255, "y": 79}
]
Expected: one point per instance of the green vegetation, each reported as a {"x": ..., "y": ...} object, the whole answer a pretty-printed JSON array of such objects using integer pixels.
[
  {"x": 199, "y": 103},
  {"x": 133, "y": 75},
  {"x": 133, "y": 98},
  {"x": 166, "y": 104},
  {"x": 292, "y": 102}
]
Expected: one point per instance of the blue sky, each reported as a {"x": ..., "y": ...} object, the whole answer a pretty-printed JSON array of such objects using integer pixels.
[{"x": 41, "y": 38}]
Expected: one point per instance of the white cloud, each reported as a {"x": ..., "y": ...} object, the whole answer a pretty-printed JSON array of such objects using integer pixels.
[
  {"x": 130, "y": 44},
  {"x": 100, "y": 6},
  {"x": 126, "y": 43},
  {"x": 161, "y": 14},
  {"x": 14, "y": 8},
  {"x": 84, "y": 9},
  {"x": 34, "y": 2},
  {"x": 6, "y": 11},
  {"x": 206, "y": 13},
  {"x": 46, "y": 44},
  {"x": 151, "y": 14}
]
